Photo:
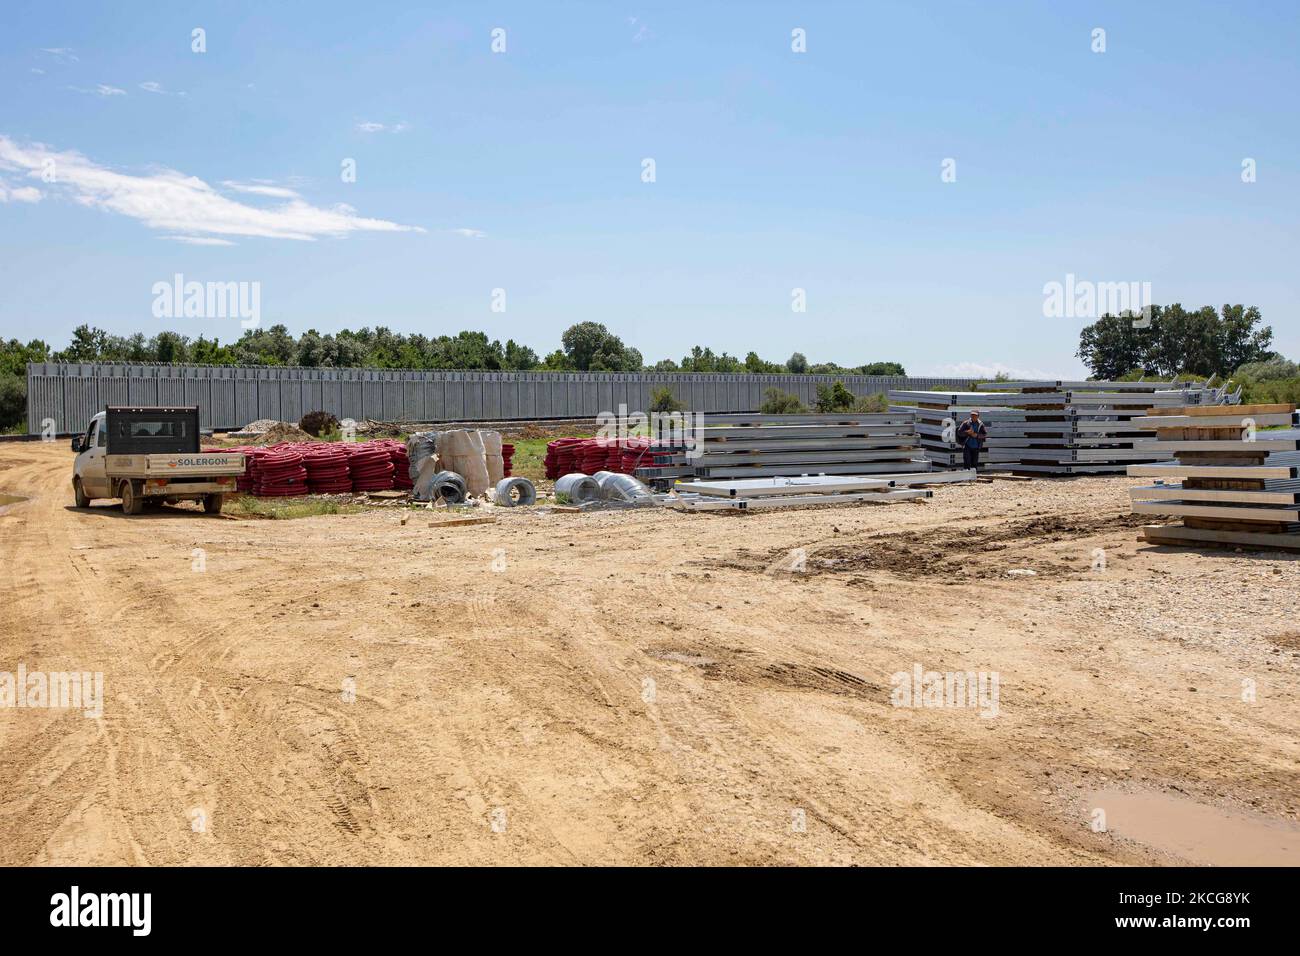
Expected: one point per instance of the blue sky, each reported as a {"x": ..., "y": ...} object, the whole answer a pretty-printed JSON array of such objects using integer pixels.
[{"x": 774, "y": 170}]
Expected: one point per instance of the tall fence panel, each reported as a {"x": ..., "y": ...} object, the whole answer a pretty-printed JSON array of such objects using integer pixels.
[{"x": 69, "y": 393}]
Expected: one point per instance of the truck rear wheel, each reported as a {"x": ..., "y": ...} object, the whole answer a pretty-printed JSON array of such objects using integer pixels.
[
  {"x": 132, "y": 500},
  {"x": 79, "y": 494},
  {"x": 212, "y": 504}
]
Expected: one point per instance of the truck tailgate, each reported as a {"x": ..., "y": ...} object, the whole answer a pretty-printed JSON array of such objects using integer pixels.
[{"x": 199, "y": 465}]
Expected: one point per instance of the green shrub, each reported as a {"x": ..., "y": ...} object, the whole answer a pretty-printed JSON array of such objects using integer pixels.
[
  {"x": 872, "y": 404},
  {"x": 662, "y": 399},
  {"x": 1270, "y": 370},
  {"x": 777, "y": 402},
  {"x": 834, "y": 398},
  {"x": 1283, "y": 390}
]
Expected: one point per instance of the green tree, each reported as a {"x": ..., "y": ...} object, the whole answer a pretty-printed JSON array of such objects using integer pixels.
[
  {"x": 14, "y": 356},
  {"x": 519, "y": 357},
  {"x": 1271, "y": 369},
  {"x": 796, "y": 364},
  {"x": 557, "y": 361},
  {"x": 13, "y": 401},
  {"x": 589, "y": 346},
  {"x": 171, "y": 348},
  {"x": 882, "y": 368},
  {"x": 662, "y": 399},
  {"x": 834, "y": 398}
]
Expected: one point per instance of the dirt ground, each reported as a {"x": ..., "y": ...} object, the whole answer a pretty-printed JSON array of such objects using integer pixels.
[{"x": 635, "y": 687}]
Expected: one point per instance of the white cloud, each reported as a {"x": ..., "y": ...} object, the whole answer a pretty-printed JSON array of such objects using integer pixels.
[
  {"x": 149, "y": 86},
  {"x": 471, "y": 233},
  {"x": 199, "y": 240},
  {"x": 643, "y": 31},
  {"x": 20, "y": 194},
  {"x": 372, "y": 127},
  {"x": 168, "y": 200},
  {"x": 991, "y": 370},
  {"x": 99, "y": 89},
  {"x": 979, "y": 370},
  {"x": 63, "y": 54},
  {"x": 261, "y": 187},
  {"x": 37, "y": 70}
]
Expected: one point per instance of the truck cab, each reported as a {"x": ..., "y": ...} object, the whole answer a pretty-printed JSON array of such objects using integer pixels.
[{"x": 149, "y": 455}]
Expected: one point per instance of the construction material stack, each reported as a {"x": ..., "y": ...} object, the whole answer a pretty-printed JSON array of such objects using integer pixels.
[
  {"x": 765, "y": 446},
  {"x": 1234, "y": 480},
  {"x": 1052, "y": 427},
  {"x": 754, "y": 494}
]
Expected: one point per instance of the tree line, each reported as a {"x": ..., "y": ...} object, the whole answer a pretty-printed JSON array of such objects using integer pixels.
[{"x": 584, "y": 347}]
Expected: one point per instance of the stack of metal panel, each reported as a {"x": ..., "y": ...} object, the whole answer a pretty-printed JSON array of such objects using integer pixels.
[
  {"x": 1235, "y": 480},
  {"x": 760, "y": 446},
  {"x": 753, "y": 494},
  {"x": 1052, "y": 427}
]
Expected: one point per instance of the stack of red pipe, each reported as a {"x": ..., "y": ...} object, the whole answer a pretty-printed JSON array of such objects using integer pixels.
[
  {"x": 561, "y": 455},
  {"x": 590, "y": 455},
  {"x": 507, "y": 455},
  {"x": 278, "y": 472},
  {"x": 401, "y": 463},
  {"x": 601, "y": 454},
  {"x": 641, "y": 453},
  {"x": 371, "y": 466},
  {"x": 327, "y": 468}
]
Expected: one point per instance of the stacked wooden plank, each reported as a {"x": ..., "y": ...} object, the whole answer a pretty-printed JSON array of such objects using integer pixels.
[
  {"x": 1234, "y": 480},
  {"x": 761, "y": 446},
  {"x": 1051, "y": 427}
]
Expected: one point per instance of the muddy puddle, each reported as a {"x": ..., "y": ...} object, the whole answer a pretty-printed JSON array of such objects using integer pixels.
[{"x": 1196, "y": 832}]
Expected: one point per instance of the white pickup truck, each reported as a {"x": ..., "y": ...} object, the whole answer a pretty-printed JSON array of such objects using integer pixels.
[{"x": 149, "y": 455}]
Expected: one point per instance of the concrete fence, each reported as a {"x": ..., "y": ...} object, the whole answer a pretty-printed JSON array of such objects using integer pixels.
[{"x": 69, "y": 393}]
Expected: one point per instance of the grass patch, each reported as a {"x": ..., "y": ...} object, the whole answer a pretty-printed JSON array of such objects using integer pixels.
[{"x": 247, "y": 506}]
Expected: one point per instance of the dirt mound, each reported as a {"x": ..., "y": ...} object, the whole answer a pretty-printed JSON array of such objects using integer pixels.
[
  {"x": 962, "y": 552},
  {"x": 281, "y": 431}
]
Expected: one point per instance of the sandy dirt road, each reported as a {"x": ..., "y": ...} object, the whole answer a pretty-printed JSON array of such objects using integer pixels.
[{"x": 646, "y": 688}]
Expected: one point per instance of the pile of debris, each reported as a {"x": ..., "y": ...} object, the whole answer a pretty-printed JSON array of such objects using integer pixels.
[{"x": 1234, "y": 482}]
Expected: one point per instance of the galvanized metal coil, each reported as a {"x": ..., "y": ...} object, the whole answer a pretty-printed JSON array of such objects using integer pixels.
[
  {"x": 578, "y": 487},
  {"x": 507, "y": 488},
  {"x": 448, "y": 486}
]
